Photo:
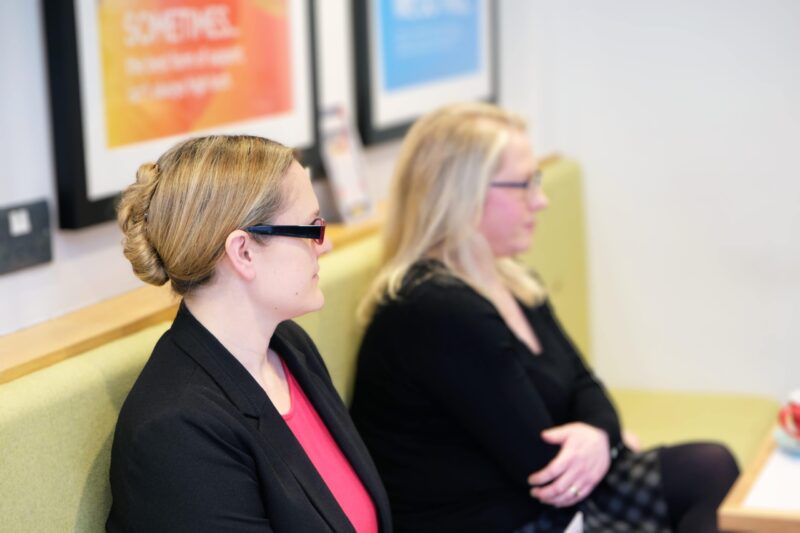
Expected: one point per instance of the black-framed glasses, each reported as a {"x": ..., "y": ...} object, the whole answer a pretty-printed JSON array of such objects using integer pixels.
[
  {"x": 531, "y": 183},
  {"x": 316, "y": 231}
]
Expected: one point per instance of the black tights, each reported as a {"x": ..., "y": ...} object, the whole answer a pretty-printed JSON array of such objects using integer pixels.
[{"x": 695, "y": 478}]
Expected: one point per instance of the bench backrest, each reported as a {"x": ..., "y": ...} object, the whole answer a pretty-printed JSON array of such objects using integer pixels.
[{"x": 55, "y": 437}]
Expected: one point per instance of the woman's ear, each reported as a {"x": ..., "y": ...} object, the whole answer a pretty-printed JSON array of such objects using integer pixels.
[{"x": 240, "y": 254}]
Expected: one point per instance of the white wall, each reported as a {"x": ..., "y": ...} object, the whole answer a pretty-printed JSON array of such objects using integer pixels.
[
  {"x": 684, "y": 116},
  {"x": 88, "y": 265}
]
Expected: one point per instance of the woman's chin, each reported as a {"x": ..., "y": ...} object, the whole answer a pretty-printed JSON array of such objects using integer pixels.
[
  {"x": 522, "y": 245},
  {"x": 527, "y": 242},
  {"x": 313, "y": 304},
  {"x": 319, "y": 301}
]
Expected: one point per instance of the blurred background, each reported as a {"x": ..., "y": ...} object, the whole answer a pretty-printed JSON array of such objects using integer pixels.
[{"x": 684, "y": 115}]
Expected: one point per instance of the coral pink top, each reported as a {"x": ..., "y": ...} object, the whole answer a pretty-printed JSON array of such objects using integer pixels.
[{"x": 328, "y": 459}]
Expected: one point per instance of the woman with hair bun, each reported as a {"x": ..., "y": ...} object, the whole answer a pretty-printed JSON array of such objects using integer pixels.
[
  {"x": 234, "y": 424},
  {"x": 478, "y": 410}
]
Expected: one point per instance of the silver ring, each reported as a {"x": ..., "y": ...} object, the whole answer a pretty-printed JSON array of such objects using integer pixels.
[{"x": 575, "y": 491}]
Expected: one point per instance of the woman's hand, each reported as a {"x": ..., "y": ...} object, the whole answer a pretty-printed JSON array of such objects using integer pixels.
[
  {"x": 580, "y": 465},
  {"x": 632, "y": 441}
]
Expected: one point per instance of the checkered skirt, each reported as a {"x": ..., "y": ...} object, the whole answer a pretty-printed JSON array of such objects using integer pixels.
[{"x": 629, "y": 499}]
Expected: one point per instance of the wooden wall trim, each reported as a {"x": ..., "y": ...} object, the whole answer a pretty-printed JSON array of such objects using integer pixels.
[{"x": 47, "y": 343}]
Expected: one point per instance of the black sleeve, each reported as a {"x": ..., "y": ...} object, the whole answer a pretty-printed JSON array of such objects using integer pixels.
[
  {"x": 462, "y": 354},
  {"x": 204, "y": 481},
  {"x": 590, "y": 402}
]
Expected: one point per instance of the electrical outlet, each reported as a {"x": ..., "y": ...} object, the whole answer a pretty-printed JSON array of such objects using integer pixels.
[{"x": 24, "y": 236}]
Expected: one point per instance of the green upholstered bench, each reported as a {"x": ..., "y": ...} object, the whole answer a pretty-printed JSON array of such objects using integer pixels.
[
  {"x": 56, "y": 426},
  {"x": 739, "y": 420},
  {"x": 56, "y": 423},
  {"x": 345, "y": 275}
]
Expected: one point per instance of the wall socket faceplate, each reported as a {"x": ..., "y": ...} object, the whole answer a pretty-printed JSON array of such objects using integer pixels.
[{"x": 24, "y": 236}]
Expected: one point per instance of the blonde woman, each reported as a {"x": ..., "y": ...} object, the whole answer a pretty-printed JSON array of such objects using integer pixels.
[
  {"x": 234, "y": 424},
  {"x": 475, "y": 405}
]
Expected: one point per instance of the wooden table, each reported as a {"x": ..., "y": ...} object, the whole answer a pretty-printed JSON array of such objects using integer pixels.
[{"x": 742, "y": 511}]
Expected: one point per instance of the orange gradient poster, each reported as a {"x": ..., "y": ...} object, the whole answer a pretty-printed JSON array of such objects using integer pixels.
[{"x": 179, "y": 66}]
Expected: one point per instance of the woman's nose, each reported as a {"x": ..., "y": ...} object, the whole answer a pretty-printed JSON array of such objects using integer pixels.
[
  {"x": 325, "y": 247},
  {"x": 538, "y": 200}
]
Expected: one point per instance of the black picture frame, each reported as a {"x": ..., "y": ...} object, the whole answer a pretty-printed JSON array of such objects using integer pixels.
[
  {"x": 368, "y": 99},
  {"x": 76, "y": 209}
]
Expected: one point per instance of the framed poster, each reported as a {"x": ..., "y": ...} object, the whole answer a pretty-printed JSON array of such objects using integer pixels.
[
  {"x": 130, "y": 78},
  {"x": 413, "y": 56}
]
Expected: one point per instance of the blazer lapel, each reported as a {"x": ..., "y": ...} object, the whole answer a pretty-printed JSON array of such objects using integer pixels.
[
  {"x": 226, "y": 371},
  {"x": 283, "y": 441},
  {"x": 334, "y": 414},
  {"x": 248, "y": 396}
]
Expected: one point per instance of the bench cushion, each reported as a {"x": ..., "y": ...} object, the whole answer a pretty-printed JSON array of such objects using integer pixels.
[
  {"x": 739, "y": 420},
  {"x": 55, "y": 442}
]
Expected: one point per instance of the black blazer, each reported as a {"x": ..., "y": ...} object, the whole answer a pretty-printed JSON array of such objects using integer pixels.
[
  {"x": 200, "y": 447},
  {"x": 452, "y": 405}
]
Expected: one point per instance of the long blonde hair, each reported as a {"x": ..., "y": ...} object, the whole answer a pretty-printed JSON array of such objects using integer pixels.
[
  {"x": 436, "y": 199},
  {"x": 177, "y": 215}
]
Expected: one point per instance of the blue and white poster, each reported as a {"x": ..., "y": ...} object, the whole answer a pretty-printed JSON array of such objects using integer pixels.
[
  {"x": 413, "y": 56},
  {"x": 426, "y": 41}
]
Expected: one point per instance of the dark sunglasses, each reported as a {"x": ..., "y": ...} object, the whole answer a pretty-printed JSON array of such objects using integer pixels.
[
  {"x": 533, "y": 182},
  {"x": 316, "y": 231}
]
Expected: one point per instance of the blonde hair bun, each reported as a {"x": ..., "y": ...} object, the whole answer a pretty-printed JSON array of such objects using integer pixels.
[
  {"x": 176, "y": 216},
  {"x": 132, "y": 217}
]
